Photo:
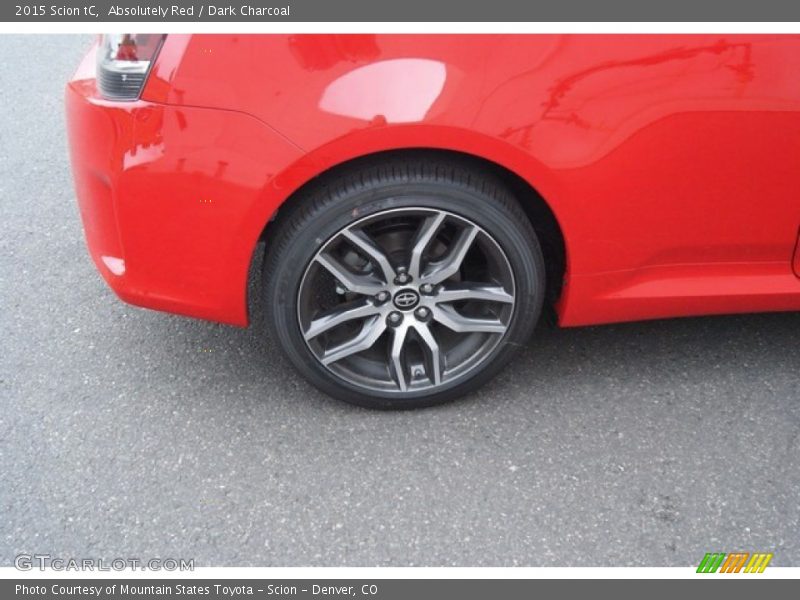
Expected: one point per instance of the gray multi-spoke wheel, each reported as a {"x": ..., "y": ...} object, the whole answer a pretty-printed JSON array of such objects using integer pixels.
[
  {"x": 394, "y": 288},
  {"x": 416, "y": 297}
]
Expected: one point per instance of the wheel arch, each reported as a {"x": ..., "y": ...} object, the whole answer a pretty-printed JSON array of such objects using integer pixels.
[{"x": 533, "y": 185}]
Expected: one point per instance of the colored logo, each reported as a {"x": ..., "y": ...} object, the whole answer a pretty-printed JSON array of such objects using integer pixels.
[{"x": 735, "y": 562}]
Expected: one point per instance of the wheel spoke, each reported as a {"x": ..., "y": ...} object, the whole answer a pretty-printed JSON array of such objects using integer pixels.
[
  {"x": 451, "y": 263},
  {"x": 371, "y": 330},
  {"x": 341, "y": 314},
  {"x": 452, "y": 319},
  {"x": 396, "y": 358},
  {"x": 424, "y": 236},
  {"x": 433, "y": 366},
  {"x": 360, "y": 284},
  {"x": 360, "y": 240},
  {"x": 474, "y": 291}
]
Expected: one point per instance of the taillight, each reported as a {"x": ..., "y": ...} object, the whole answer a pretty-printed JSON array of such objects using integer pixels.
[{"x": 123, "y": 61}]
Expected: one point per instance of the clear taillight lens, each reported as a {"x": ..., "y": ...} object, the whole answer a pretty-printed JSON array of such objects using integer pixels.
[{"x": 123, "y": 61}]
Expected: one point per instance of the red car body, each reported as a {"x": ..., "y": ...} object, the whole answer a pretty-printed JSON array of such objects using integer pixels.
[{"x": 670, "y": 162}]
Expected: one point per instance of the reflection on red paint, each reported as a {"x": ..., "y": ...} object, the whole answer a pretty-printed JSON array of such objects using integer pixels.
[
  {"x": 320, "y": 52},
  {"x": 379, "y": 90}
]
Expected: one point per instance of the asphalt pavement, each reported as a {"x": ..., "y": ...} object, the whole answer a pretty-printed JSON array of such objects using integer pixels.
[{"x": 130, "y": 433}]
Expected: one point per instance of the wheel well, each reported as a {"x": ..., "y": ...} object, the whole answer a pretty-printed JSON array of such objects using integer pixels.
[{"x": 532, "y": 203}]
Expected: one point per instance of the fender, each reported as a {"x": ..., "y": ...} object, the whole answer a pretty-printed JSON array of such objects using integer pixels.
[
  {"x": 374, "y": 140},
  {"x": 365, "y": 142}
]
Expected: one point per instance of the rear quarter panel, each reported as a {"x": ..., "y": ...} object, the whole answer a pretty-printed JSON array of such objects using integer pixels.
[{"x": 670, "y": 161}]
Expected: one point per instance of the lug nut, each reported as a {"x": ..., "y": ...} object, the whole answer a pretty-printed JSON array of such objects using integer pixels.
[
  {"x": 382, "y": 296},
  {"x": 340, "y": 289},
  {"x": 395, "y": 318},
  {"x": 402, "y": 276},
  {"x": 426, "y": 288},
  {"x": 422, "y": 312}
]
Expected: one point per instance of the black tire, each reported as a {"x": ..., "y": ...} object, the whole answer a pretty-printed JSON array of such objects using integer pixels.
[{"x": 450, "y": 185}]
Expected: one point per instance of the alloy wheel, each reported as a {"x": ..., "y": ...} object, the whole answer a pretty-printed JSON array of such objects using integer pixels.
[{"x": 406, "y": 300}]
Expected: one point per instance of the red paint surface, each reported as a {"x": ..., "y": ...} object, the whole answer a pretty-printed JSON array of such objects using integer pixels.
[
  {"x": 797, "y": 256},
  {"x": 670, "y": 162}
]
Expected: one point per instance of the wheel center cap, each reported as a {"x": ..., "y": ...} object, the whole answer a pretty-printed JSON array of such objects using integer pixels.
[{"x": 406, "y": 299}]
